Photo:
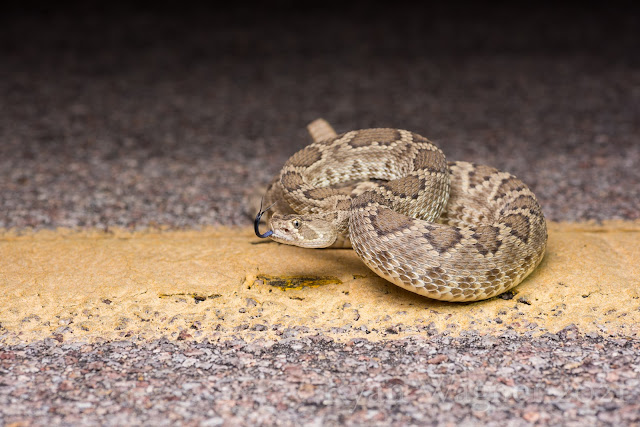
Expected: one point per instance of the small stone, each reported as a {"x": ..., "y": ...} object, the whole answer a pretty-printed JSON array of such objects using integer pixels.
[
  {"x": 506, "y": 381},
  {"x": 183, "y": 335},
  {"x": 7, "y": 355},
  {"x": 212, "y": 422},
  {"x": 612, "y": 377},
  {"x": 507, "y": 295},
  {"x": 189, "y": 362},
  {"x": 438, "y": 359},
  {"x": 65, "y": 386},
  {"x": 306, "y": 390},
  {"x": 531, "y": 416},
  {"x": 524, "y": 300}
]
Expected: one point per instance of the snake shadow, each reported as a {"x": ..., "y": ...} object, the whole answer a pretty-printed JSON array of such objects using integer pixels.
[{"x": 349, "y": 261}]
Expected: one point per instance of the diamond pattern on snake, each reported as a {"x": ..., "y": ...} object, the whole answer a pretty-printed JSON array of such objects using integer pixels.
[{"x": 448, "y": 230}]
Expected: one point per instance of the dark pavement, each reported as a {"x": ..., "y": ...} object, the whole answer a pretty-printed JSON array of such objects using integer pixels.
[{"x": 133, "y": 117}]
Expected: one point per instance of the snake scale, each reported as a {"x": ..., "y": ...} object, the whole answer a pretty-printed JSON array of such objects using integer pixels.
[{"x": 453, "y": 231}]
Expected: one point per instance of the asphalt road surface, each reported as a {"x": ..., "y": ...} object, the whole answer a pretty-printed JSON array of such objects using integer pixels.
[{"x": 134, "y": 118}]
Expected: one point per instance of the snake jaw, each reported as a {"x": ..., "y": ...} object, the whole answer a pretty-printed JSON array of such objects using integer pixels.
[{"x": 307, "y": 231}]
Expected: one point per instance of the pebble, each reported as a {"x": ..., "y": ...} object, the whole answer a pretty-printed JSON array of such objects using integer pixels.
[{"x": 316, "y": 380}]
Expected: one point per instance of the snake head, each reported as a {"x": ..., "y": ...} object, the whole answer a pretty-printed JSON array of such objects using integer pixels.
[{"x": 307, "y": 231}]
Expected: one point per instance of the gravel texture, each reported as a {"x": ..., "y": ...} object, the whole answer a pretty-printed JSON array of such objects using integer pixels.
[
  {"x": 563, "y": 378},
  {"x": 122, "y": 117}
]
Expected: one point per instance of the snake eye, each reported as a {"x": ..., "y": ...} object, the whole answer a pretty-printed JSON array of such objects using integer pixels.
[{"x": 296, "y": 223}]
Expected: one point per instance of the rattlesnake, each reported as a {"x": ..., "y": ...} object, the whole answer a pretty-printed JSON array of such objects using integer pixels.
[{"x": 453, "y": 231}]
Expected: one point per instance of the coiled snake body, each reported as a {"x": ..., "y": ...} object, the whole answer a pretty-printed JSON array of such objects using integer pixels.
[{"x": 453, "y": 231}]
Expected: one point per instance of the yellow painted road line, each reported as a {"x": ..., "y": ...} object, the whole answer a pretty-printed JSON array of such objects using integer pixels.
[{"x": 219, "y": 283}]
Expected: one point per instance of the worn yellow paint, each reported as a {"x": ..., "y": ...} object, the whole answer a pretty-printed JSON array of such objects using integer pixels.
[{"x": 214, "y": 283}]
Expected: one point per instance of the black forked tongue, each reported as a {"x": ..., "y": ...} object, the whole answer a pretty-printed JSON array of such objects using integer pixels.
[{"x": 256, "y": 223}]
